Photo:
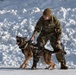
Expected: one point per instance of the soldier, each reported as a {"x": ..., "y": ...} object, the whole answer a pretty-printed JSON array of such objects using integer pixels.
[{"x": 49, "y": 28}]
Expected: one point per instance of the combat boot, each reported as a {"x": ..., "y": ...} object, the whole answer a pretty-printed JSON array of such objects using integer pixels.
[
  {"x": 34, "y": 65},
  {"x": 63, "y": 65}
]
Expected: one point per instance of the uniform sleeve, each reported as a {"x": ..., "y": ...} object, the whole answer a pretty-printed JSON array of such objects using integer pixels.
[
  {"x": 58, "y": 28},
  {"x": 38, "y": 26}
]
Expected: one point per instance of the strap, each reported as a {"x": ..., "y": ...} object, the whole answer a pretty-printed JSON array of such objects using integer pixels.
[{"x": 52, "y": 20}]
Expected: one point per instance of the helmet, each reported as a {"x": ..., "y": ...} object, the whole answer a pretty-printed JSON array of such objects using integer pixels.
[{"x": 47, "y": 12}]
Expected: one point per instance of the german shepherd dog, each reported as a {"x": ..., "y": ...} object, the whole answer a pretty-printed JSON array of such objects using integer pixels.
[{"x": 28, "y": 51}]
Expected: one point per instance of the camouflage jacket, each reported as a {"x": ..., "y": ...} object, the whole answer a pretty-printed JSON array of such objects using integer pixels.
[{"x": 48, "y": 26}]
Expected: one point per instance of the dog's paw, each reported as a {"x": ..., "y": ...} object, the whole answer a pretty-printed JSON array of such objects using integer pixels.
[{"x": 23, "y": 66}]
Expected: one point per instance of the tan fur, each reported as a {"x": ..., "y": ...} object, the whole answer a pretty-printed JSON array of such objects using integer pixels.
[{"x": 28, "y": 52}]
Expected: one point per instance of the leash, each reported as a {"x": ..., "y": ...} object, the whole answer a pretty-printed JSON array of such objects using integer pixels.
[{"x": 35, "y": 46}]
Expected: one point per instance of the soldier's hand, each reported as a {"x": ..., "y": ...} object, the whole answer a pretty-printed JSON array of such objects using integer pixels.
[
  {"x": 57, "y": 30},
  {"x": 59, "y": 42},
  {"x": 32, "y": 38}
]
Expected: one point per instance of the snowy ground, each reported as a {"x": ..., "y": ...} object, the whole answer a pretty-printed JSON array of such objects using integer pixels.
[
  {"x": 16, "y": 71},
  {"x": 19, "y": 17}
]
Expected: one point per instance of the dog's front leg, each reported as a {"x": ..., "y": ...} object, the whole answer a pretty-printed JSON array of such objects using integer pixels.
[{"x": 25, "y": 63}]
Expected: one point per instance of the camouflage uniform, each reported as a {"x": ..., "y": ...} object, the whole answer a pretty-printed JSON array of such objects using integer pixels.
[{"x": 47, "y": 32}]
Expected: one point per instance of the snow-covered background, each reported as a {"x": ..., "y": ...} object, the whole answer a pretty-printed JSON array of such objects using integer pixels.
[{"x": 19, "y": 17}]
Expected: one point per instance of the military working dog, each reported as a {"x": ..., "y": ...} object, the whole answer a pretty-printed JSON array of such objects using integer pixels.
[{"x": 28, "y": 51}]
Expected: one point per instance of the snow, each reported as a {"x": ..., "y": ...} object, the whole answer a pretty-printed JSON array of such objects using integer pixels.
[
  {"x": 16, "y": 71},
  {"x": 19, "y": 17}
]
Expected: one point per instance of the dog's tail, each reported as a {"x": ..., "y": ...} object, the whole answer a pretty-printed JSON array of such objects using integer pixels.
[
  {"x": 56, "y": 51},
  {"x": 50, "y": 51},
  {"x": 59, "y": 50}
]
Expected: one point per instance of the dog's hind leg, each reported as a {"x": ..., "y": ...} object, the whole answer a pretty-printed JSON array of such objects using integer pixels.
[
  {"x": 23, "y": 66},
  {"x": 51, "y": 65}
]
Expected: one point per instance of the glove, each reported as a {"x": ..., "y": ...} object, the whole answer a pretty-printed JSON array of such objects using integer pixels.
[{"x": 32, "y": 38}]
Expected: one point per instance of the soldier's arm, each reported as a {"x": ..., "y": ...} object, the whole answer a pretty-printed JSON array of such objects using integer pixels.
[
  {"x": 58, "y": 28},
  {"x": 38, "y": 27}
]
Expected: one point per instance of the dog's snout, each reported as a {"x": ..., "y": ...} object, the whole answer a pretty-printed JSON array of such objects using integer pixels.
[{"x": 18, "y": 41}]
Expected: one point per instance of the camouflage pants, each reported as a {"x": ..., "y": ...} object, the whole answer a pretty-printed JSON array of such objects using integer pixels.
[{"x": 42, "y": 40}]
